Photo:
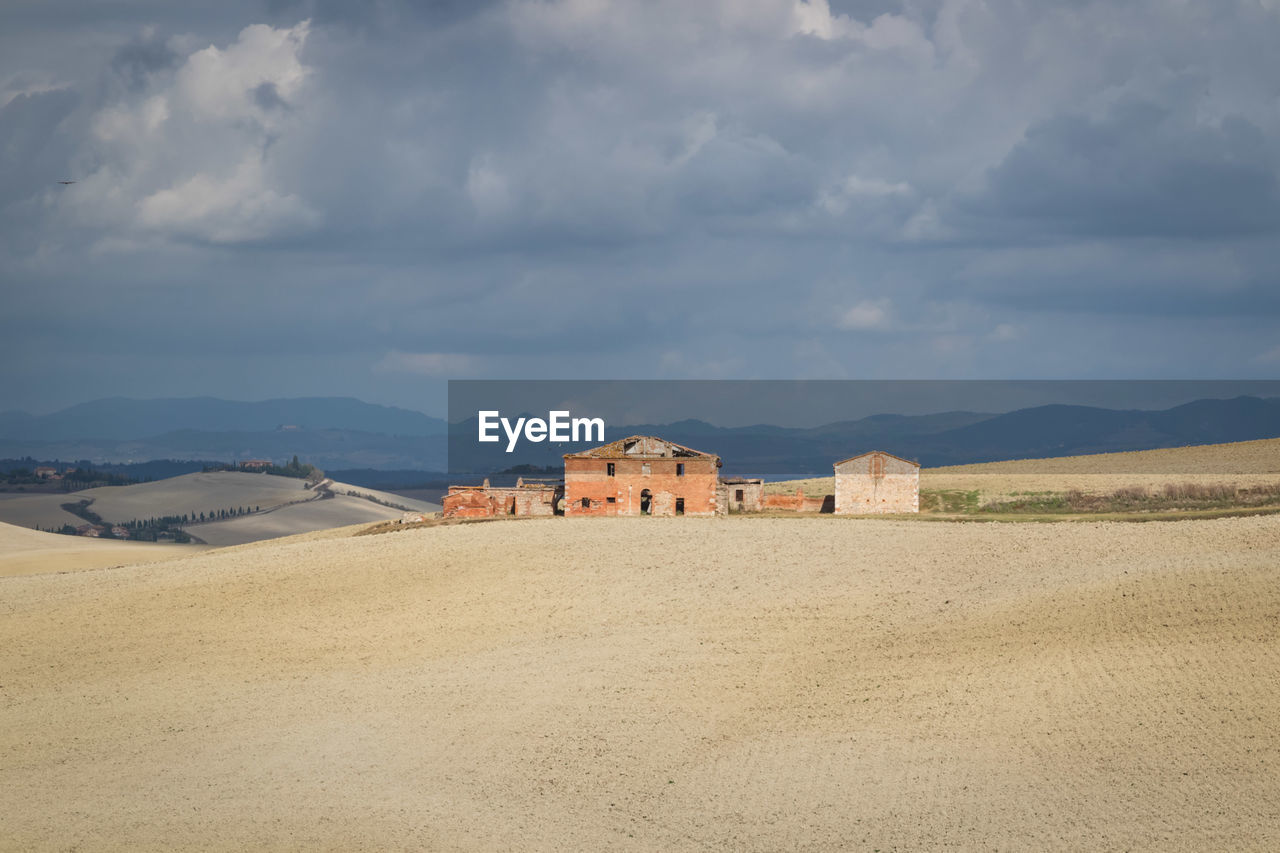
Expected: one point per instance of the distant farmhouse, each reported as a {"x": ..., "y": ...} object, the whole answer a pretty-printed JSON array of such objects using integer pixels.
[
  {"x": 877, "y": 482},
  {"x": 255, "y": 464},
  {"x": 646, "y": 475}
]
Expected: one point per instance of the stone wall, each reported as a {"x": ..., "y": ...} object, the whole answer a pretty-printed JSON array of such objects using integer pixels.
[
  {"x": 875, "y": 483},
  {"x": 742, "y": 495}
]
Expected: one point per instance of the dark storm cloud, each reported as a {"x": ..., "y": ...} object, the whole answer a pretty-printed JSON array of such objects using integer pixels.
[
  {"x": 136, "y": 61},
  {"x": 404, "y": 191},
  {"x": 1140, "y": 170},
  {"x": 268, "y": 97},
  {"x": 383, "y": 15}
]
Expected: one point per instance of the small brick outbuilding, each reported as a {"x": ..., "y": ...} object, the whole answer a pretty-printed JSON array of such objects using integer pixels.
[
  {"x": 486, "y": 501},
  {"x": 642, "y": 475},
  {"x": 742, "y": 494},
  {"x": 877, "y": 482}
]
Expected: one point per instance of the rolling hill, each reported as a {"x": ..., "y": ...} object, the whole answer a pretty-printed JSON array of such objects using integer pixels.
[
  {"x": 656, "y": 684},
  {"x": 32, "y": 552},
  {"x": 279, "y": 506}
]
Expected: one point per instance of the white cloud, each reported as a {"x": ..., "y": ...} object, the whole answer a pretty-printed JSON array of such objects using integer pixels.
[
  {"x": 194, "y": 155},
  {"x": 925, "y": 224},
  {"x": 1004, "y": 332},
  {"x": 487, "y": 188},
  {"x": 689, "y": 149},
  {"x": 837, "y": 200},
  {"x": 813, "y": 17},
  {"x": 231, "y": 208},
  {"x": 221, "y": 84},
  {"x": 867, "y": 315},
  {"x": 131, "y": 124},
  {"x": 426, "y": 363}
]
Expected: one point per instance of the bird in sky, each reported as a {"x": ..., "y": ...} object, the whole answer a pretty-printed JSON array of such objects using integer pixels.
[{"x": 66, "y": 183}]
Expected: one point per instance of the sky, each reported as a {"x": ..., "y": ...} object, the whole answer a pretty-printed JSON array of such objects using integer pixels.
[{"x": 307, "y": 197}]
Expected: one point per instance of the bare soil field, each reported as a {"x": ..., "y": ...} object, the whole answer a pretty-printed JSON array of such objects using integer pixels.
[
  {"x": 1245, "y": 464},
  {"x": 1242, "y": 457},
  {"x": 740, "y": 683},
  {"x": 28, "y": 552}
]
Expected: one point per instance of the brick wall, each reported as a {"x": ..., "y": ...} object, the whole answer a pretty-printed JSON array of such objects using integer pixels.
[
  {"x": 467, "y": 502},
  {"x": 799, "y": 502},
  {"x": 489, "y": 501},
  {"x": 588, "y": 478}
]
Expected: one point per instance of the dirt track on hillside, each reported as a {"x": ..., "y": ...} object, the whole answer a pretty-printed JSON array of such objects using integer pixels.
[{"x": 657, "y": 684}]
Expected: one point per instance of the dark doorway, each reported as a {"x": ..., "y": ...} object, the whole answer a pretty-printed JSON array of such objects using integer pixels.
[
  {"x": 646, "y": 501},
  {"x": 679, "y": 506}
]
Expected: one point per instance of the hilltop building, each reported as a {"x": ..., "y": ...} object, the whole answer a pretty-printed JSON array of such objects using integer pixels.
[
  {"x": 877, "y": 482},
  {"x": 642, "y": 475}
]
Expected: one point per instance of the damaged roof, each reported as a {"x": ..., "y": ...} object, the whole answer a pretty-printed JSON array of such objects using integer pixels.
[
  {"x": 881, "y": 453},
  {"x": 641, "y": 447}
]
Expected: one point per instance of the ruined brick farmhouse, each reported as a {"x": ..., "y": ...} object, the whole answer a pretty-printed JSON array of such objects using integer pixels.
[{"x": 644, "y": 475}]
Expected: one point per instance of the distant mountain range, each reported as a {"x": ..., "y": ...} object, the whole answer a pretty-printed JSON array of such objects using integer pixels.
[
  {"x": 122, "y": 418},
  {"x": 344, "y": 433},
  {"x": 339, "y": 432},
  {"x": 949, "y": 438}
]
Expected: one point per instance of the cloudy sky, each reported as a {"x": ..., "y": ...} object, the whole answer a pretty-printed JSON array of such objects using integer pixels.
[{"x": 288, "y": 198}]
